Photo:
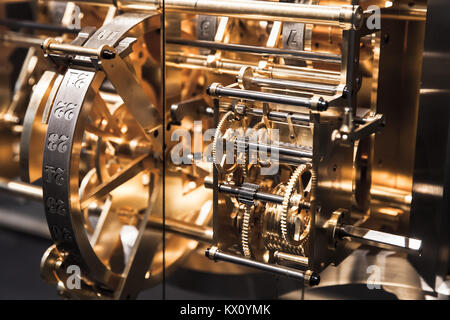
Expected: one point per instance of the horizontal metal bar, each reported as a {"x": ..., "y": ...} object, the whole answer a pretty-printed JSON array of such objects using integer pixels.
[
  {"x": 296, "y": 118},
  {"x": 219, "y": 91},
  {"x": 308, "y": 277},
  {"x": 346, "y": 16},
  {"x": 233, "y": 190},
  {"x": 282, "y": 256},
  {"x": 294, "y": 85},
  {"x": 380, "y": 239},
  {"x": 51, "y": 45},
  {"x": 21, "y": 189},
  {"x": 283, "y": 53},
  {"x": 20, "y": 40},
  {"x": 274, "y": 148},
  {"x": 288, "y": 72},
  {"x": 184, "y": 229},
  {"x": 297, "y": 153},
  {"x": 232, "y": 67},
  {"x": 261, "y": 196}
]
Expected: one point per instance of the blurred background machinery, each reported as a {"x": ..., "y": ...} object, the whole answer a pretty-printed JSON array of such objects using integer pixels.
[{"x": 302, "y": 146}]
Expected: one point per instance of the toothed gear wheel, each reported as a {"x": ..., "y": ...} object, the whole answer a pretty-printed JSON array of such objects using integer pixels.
[
  {"x": 245, "y": 233},
  {"x": 247, "y": 199},
  {"x": 217, "y": 135},
  {"x": 293, "y": 180},
  {"x": 244, "y": 164}
]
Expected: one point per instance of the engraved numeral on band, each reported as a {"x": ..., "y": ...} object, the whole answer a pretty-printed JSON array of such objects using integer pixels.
[
  {"x": 65, "y": 109},
  {"x": 77, "y": 79},
  {"x": 63, "y": 234},
  {"x": 57, "y": 142},
  {"x": 54, "y": 175},
  {"x": 55, "y": 206}
]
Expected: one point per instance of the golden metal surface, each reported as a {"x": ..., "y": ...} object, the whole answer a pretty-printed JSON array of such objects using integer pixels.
[{"x": 333, "y": 101}]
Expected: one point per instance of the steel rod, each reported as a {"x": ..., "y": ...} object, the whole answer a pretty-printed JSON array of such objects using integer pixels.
[
  {"x": 297, "y": 118},
  {"x": 294, "y": 85},
  {"x": 232, "y": 67},
  {"x": 282, "y": 256},
  {"x": 20, "y": 39},
  {"x": 380, "y": 239},
  {"x": 51, "y": 45},
  {"x": 21, "y": 189},
  {"x": 220, "y": 91},
  {"x": 262, "y": 196},
  {"x": 308, "y": 277},
  {"x": 185, "y": 229},
  {"x": 303, "y": 55},
  {"x": 273, "y": 148},
  {"x": 297, "y": 153}
]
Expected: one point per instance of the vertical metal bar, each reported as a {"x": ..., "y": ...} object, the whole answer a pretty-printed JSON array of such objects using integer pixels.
[{"x": 216, "y": 217}]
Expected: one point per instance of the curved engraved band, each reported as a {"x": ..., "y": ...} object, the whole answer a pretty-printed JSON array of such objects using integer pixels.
[{"x": 62, "y": 149}]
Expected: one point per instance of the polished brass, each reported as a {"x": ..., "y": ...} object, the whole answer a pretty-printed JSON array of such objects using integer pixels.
[
  {"x": 21, "y": 189},
  {"x": 332, "y": 100},
  {"x": 345, "y": 16}
]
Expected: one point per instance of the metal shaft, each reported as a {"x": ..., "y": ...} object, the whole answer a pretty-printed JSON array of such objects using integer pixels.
[
  {"x": 296, "y": 153},
  {"x": 51, "y": 45},
  {"x": 294, "y": 85},
  {"x": 19, "y": 39},
  {"x": 187, "y": 230},
  {"x": 296, "y": 118},
  {"x": 253, "y": 146},
  {"x": 22, "y": 189},
  {"x": 261, "y": 196},
  {"x": 220, "y": 91},
  {"x": 300, "y": 260},
  {"x": 308, "y": 277},
  {"x": 346, "y": 16},
  {"x": 380, "y": 239},
  {"x": 232, "y": 67},
  {"x": 283, "y": 53}
]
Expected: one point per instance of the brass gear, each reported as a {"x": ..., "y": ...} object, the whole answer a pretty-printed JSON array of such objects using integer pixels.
[
  {"x": 288, "y": 195},
  {"x": 217, "y": 135}
]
